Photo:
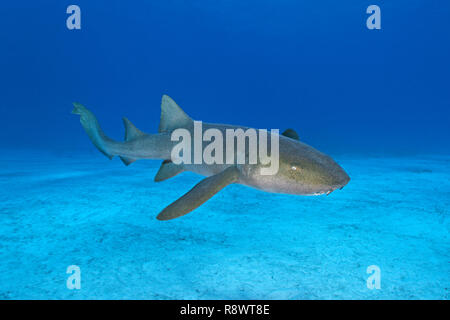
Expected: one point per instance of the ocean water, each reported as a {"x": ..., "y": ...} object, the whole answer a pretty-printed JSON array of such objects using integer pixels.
[
  {"x": 88, "y": 211},
  {"x": 377, "y": 101}
]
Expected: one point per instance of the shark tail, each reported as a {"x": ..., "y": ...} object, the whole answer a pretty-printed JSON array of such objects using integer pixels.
[
  {"x": 172, "y": 117},
  {"x": 93, "y": 129}
]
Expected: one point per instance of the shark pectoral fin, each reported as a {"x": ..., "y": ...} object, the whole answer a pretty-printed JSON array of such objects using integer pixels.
[
  {"x": 291, "y": 133},
  {"x": 198, "y": 195}
]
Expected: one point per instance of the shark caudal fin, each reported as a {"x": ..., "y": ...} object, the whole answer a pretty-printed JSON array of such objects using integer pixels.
[{"x": 92, "y": 128}]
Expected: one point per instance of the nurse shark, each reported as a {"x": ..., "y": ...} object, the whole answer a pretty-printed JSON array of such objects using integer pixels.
[{"x": 302, "y": 170}]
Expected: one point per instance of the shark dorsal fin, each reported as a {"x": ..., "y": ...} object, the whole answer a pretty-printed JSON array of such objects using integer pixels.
[
  {"x": 290, "y": 133},
  {"x": 131, "y": 132},
  {"x": 172, "y": 116}
]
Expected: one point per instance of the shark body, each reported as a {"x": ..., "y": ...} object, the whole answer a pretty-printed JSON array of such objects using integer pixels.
[{"x": 303, "y": 170}]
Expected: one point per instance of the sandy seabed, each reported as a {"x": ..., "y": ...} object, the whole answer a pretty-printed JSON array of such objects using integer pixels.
[{"x": 84, "y": 210}]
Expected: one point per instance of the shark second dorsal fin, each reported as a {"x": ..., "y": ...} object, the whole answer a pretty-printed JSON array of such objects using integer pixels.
[
  {"x": 291, "y": 133},
  {"x": 172, "y": 116},
  {"x": 131, "y": 132}
]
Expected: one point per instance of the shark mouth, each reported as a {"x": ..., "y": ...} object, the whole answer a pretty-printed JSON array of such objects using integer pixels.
[{"x": 326, "y": 192}]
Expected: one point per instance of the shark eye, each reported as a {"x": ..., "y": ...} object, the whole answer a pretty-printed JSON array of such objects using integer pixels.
[
  {"x": 295, "y": 169},
  {"x": 295, "y": 172}
]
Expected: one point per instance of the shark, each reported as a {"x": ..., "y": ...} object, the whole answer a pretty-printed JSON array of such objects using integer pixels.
[{"x": 302, "y": 170}]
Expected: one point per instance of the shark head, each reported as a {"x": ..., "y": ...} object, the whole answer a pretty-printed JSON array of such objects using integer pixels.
[
  {"x": 310, "y": 173},
  {"x": 302, "y": 170}
]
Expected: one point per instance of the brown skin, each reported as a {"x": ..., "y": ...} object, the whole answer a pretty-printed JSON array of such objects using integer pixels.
[{"x": 303, "y": 170}]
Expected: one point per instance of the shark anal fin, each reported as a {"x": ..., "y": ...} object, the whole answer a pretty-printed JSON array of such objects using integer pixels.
[
  {"x": 172, "y": 116},
  {"x": 291, "y": 133},
  {"x": 199, "y": 194},
  {"x": 168, "y": 170},
  {"x": 127, "y": 161}
]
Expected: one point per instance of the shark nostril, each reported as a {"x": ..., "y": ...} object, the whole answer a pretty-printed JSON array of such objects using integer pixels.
[{"x": 344, "y": 181}]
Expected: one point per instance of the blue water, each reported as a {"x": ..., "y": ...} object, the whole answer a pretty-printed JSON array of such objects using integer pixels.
[{"x": 375, "y": 100}]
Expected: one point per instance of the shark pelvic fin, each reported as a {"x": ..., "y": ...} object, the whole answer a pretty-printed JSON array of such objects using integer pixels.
[
  {"x": 198, "y": 195},
  {"x": 172, "y": 116},
  {"x": 168, "y": 170},
  {"x": 291, "y": 133},
  {"x": 131, "y": 132}
]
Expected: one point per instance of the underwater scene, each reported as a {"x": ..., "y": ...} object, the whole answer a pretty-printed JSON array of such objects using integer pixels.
[{"x": 355, "y": 99}]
